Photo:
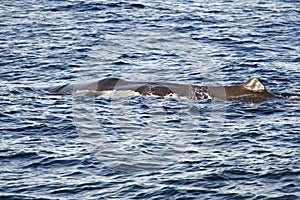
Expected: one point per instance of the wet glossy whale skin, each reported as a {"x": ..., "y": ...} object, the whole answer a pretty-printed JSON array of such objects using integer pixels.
[{"x": 252, "y": 91}]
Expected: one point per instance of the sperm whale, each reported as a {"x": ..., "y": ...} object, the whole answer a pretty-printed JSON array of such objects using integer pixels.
[{"x": 252, "y": 91}]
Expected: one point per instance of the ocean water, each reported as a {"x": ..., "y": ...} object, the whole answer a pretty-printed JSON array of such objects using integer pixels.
[{"x": 125, "y": 146}]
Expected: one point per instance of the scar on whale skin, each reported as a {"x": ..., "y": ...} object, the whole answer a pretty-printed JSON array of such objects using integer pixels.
[{"x": 252, "y": 91}]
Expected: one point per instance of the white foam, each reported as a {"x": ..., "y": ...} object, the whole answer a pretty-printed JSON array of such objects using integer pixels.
[{"x": 121, "y": 93}]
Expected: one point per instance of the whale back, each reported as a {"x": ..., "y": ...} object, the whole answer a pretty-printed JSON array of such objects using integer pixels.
[{"x": 252, "y": 91}]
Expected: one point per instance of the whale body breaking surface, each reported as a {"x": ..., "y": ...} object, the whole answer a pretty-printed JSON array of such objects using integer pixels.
[{"x": 252, "y": 91}]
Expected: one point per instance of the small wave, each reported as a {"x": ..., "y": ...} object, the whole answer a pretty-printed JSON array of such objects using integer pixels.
[{"x": 289, "y": 95}]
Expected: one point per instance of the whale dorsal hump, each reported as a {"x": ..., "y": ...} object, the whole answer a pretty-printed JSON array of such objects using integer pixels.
[{"x": 254, "y": 84}]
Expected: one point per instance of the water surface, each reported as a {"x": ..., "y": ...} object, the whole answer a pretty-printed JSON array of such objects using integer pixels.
[{"x": 118, "y": 146}]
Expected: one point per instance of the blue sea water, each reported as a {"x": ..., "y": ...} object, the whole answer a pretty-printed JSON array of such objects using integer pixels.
[{"x": 121, "y": 146}]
